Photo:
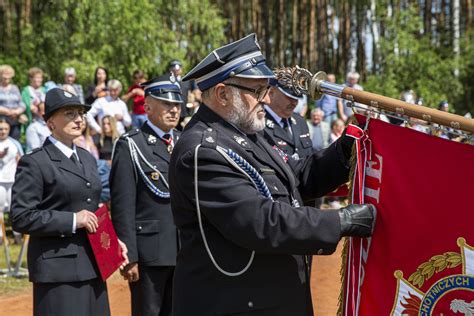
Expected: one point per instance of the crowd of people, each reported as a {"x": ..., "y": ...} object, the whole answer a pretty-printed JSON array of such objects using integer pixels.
[
  {"x": 22, "y": 111},
  {"x": 258, "y": 182}
]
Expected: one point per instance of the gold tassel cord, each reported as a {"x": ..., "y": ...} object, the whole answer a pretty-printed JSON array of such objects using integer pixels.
[{"x": 345, "y": 248}]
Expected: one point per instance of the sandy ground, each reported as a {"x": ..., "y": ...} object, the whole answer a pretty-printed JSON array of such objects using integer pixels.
[{"x": 325, "y": 283}]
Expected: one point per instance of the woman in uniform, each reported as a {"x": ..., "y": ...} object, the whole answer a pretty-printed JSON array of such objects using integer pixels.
[{"x": 55, "y": 194}]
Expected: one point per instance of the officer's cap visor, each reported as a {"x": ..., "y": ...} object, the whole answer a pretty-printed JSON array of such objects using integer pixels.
[
  {"x": 260, "y": 71},
  {"x": 289, "y": 92},
  {"x": 168, "y": 96}
]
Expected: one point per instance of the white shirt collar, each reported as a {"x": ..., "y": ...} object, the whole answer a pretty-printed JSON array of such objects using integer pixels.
[
  {"x": 274, "y": 115},
  {"x": 159, "y": 131},
  {"x": 67, "y": 151}
]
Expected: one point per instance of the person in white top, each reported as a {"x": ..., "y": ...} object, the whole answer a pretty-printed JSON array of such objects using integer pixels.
[
  {"x": 37, "y": 131},
  {"x": 9, "y": 156},
  {"x": 110, "y": 105}
]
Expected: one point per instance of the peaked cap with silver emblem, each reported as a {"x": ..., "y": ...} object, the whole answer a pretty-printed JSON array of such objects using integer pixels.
[
  {"x": 288, "y": 91},
  {"x": 242, "y": 59},
  {"x": 163, "y": 88},
  {"x": 57, "y": 98}
]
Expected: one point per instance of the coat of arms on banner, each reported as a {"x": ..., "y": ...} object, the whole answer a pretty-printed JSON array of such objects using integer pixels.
[{"x": 451, "y": 294}]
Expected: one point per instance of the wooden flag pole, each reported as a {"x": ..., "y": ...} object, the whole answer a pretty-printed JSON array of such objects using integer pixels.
[{"x": 303, "y": 81}]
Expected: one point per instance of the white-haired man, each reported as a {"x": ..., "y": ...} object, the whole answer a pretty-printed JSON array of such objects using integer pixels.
[
  {"x": 110, "y": 105},
  {"x": 344, "y": 110},
  {"x": 244, "y": 235}
]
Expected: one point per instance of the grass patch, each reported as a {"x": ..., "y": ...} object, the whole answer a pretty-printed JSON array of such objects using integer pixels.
[{"x": 12, "y": 285}]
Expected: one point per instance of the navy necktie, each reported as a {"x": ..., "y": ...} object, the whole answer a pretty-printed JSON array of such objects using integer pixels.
[
  {"x": 286, "y": 127},
  {"x": 76, "y": 161}
]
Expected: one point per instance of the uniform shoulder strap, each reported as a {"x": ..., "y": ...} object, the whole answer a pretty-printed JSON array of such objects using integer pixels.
[{"x": 209, "y": 138}]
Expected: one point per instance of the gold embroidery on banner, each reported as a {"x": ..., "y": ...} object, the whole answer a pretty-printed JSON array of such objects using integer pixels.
[
  {"x": 411, "y": 300},
  {"x": 436, "y": 264},
  {"x": 105, "y": 240}
]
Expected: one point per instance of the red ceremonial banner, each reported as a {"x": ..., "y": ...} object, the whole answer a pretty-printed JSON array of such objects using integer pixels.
[
  {"x": 420, "y": 259},
  {"x": 105, "y": 246}
]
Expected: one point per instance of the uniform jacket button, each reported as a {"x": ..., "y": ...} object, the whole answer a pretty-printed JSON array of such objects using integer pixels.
[
  {"x": 320, "y": 251},
  {"x": 88, "y": 184},
  {"x": 250, "y": 304},
  {"x": 88, "y": 200}
]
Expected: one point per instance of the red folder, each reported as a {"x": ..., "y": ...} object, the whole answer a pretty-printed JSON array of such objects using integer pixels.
[{"x": 105, "y": 246}]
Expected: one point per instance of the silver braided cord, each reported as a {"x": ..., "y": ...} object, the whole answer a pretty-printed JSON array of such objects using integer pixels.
[
  {"x": 135, "y": 154},
  {"x": 246, "y": 169},
  {"x": 243, "y": 166}
]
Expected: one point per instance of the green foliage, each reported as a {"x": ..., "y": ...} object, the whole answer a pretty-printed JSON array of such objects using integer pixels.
[
  {"x": 119, "y": 35},
  {"x": 124, "y": 35},
  {"x": 409, "y": 62}
]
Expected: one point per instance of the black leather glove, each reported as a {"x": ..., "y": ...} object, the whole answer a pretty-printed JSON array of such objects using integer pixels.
[{"x": 357, "y": 220}]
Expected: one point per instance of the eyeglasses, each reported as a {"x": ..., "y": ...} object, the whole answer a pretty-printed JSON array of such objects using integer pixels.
[
  {"x": 260, "y": 93},
  {"x": 72, "y": 114}
]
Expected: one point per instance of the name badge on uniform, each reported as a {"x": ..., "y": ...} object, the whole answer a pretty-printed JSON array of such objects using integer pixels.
[{"x": 155, "y": 175}]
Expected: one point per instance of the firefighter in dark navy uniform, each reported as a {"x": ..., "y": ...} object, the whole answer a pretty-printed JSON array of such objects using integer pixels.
[
  {"x": 243, "y": 232},
  {"x": 283, "y": 128},
  {"x": 56, "y": 191},
  {"x": 287, "y": 130},
  {"x": 141, "y": 210}
]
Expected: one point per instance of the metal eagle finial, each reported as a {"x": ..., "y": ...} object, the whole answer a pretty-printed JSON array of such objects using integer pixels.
[{"x": 301, "y": 80}]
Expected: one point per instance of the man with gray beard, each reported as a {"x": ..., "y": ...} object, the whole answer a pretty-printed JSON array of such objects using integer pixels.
[{"x": 243, "y": 232}]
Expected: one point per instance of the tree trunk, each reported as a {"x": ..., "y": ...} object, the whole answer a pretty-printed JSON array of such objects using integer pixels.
[
  {"x": 391, "y": 15},
  {"x": 324, "y": 46},
  {"x": 313, "y": 50},
  {"x": 294, "y": 33},
  {"x": 266, "y": 32},
  {"x": 469, "y": 15},
  {"x": 5, "y": 26},
  {"x": 304, "y": 34},
  {"x": 344, "y": 33},
  {"x": 354, "y": 41},
  {"x": 27, "y": 13},
  {"x": 234, "y": 12},
  {"x": 19, "y": 34},
  {"x": 332, "y": 38},
  {"x": 255, "y": 16},
  {"x": 456, "y": 35},
  {"x": 427, "y": 18},
  {"x": 362, "y": 30},
  {"x": 280, "y": 35},
  {"x": 375, "y": 37}
]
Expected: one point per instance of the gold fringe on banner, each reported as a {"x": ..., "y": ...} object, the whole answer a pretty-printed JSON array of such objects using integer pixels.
[{"x": 345, "y": 248}]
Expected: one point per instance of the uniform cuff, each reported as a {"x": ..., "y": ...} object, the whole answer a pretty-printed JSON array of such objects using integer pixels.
[{"x": 74, "y": 223}]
